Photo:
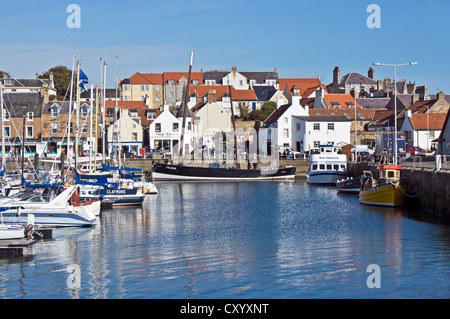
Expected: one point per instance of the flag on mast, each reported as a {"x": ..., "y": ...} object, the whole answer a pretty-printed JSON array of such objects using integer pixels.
[{"x": 83, "y": 80}]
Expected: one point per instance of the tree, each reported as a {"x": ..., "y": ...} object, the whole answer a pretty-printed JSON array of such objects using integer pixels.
[
  {"x": 244, "y": 110},
  {"x": 61, "y": 78},
  {"x": 268, "y": 107}
]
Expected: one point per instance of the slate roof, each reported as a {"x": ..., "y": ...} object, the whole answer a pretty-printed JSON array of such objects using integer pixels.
[
  {"x": 259, "y": 77},
  {"x": 373, "y": 103},
  {"x": 356, "y": 78},
  {"x": 18, "y": 104},
  {"x": 361, "y": 114},
  {"x": 10, "y": 82},
  {"x": 264, "y": 93},
  {"x": 324, "y": 118}
]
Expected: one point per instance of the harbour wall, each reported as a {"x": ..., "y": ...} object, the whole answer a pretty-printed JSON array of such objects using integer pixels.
[{"x": 428, "y": 189}]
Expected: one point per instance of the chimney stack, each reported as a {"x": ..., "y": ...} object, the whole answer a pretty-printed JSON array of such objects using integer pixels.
[
  {"x": 371, "y": 73},
  {"x": 336, "y": 75}
]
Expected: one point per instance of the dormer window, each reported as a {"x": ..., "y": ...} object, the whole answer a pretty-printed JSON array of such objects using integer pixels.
[
  {"x": 55, "y": 110},
  {"x": 170, "y": 83},
  {"x": 29, "y": 116}
]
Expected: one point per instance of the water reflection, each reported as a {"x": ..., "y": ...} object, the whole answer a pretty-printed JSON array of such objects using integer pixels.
[{"x": 239, "y": 240}]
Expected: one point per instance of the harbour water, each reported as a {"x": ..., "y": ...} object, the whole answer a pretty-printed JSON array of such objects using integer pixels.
[{"x": 283, "y": 240}]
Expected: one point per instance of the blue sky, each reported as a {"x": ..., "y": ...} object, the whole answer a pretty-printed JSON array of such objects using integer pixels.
[{"x": 299, "y": 38}]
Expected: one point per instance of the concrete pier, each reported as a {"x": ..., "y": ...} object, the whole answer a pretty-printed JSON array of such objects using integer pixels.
[{"x": 428, "y": 189}]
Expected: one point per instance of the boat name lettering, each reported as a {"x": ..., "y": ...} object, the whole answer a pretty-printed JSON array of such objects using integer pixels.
[
  {"x": 115, "y": 191},
  {"x": 171, "y": 167}
]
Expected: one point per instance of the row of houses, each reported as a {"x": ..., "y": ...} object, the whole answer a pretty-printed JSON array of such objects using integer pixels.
[{"x": 351, "y": 109}]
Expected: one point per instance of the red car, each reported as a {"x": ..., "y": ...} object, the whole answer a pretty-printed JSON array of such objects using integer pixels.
[{"x": 413, "y": 150}]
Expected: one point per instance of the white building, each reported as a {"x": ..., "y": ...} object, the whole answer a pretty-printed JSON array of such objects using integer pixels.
[
  {"x": 165, "y": 132},
  {"x": 422, "y": 128},
  {"x": 278, "y": 129},
  {"x": 126, "y": 133},
  {"x": 312, "y": 131},
  {"x": 444, "y": 137}
]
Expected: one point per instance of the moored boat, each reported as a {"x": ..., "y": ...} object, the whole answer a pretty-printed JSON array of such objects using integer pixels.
[
  {"x": 350, "y": 185},
  {"x": 326, "y": 166},
  {"x": 386, "y": 191},
  {"x": 163, "y": 171}
]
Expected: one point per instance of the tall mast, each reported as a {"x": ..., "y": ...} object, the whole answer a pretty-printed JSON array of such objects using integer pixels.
[
  {"x": 78, "y": 114},
  {"x": 104, "y": 114},
  {"x": 90, "y": 128},
  {"x": 115, "y": 112},
  {"x": 70, "y": 110},
  {"x": 234, "y": 126},
  {"x": 96, "y": 127},
  {"x": 185, "y": 104},
  {"x": 3, "y": 126}
]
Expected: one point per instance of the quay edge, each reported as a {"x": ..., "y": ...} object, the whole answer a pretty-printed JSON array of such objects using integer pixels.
[{"x": 428, "y": 189}]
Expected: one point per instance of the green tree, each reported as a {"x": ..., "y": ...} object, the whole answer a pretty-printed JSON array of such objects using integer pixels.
[
  {"x": 244, "y": 110},
  {"x": 61, "y": 78},
  {"x": 268, "y": 107}
]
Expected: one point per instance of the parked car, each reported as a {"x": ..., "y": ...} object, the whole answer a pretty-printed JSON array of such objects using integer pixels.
[
  {"x": 364, "y": 156},
  {"x": 129, "y": 154}
]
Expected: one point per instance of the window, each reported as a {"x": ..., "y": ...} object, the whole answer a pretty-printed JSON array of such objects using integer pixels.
[
  {"x": 158, "y": 127},
  {"x": 142, "y": 87},
  {"x": 151, "y": 115},
  {"x": 241, "y": 82},
  {"x": 175, "y": 127},
  {"x": 6, "y": 115},
  {"x": 55, "y": 111},
  {"x": 125, "y": 87},
  {"x": 135, "y": 136},
  {"x": 298, "y": 126},
  {"x": 330, "y": 126},
  {"x": 142, "y": 98},
  {"x": 84, "y": 128},
  {"x": 195, "y": 82},
  {"x": 7, "y": 131},
  {"x": 84, "y": 111},
  {"x": 285, "y": 120},
  {"x": 316, "y": 126},
  {"x": 147, "y": 87},
  {"x": 55, "y": 128},
  {"x": 316, "y": 144},
  {"x": 171, "y": 95},
  {"x": 170, "y": 83},
  {"x": 158, "y": 88},
  {"x": 286, "y": 133},
  {"x": 29, "y": 116},
  {"x": 189, "y": 126},
  {"x": 29, "y": 130}
]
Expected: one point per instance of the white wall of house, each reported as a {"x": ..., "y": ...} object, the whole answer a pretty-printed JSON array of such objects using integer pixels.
[
  {"x": 281, "y": 133},
  {"x": 420, "y": 138},
  {"x": 237, "y": 80},
  {"x": 165, "y": 132},
  {"x": 310, "y": 133},
  {"x": 129, "y": 132},
  {"x": 212, "y": 117}
]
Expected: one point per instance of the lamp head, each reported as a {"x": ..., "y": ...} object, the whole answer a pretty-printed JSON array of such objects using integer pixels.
[{"x": 376, "y": 63}]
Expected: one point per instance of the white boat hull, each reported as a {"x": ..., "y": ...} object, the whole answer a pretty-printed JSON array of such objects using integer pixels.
[
  {"x": 11, "y": 232},
  {"x": 325, "y": 177}
]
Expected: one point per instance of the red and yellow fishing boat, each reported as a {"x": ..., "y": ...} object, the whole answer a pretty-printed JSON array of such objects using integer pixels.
[{"x": 386, "y": 191}]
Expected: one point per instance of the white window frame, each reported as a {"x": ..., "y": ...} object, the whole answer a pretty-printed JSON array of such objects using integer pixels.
[{"x": 28, "y": 135}]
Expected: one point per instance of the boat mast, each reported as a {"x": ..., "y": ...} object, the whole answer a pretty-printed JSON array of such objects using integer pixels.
[
  {"x": 234, "y": 126},
  {"x": 104, "y": 114},
  {"x": 3, "y": 127},
  {"x": 77, "y": 114},
  {"x": 90, "y": 128},
  {"x": 70, "y": 111},
  {"x": 116, "y": 109},
  {"x": 185, "y": 104}
]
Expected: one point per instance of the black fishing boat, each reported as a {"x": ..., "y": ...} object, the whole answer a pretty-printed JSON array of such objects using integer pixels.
[
  {"x": 163, "y": 171},
  {"x": 350, "y": 185}
]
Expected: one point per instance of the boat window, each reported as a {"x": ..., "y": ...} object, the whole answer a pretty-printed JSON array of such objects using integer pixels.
[
  {"x": 343, "y": 167},
  {"x": 382, "y": 175},
  {"x": 329, "y": 166},
  {"x": 314, "y": 167},
  {"x": 336, "y": 167},
  {"x": 322, "y": 166},
  {"x": 397, "y": 174},
  {"x": 391, "y": 174}
]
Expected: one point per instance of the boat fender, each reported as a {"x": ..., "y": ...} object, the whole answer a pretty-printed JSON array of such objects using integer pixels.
[
  {"x": 29, "y": 230},
  {"x": 143, "y": 189}
]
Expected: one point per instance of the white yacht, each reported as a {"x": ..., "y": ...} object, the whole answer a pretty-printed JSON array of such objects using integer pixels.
[
  {"x": 51, "y": 206},
  {"x": 327, "y": 165}
]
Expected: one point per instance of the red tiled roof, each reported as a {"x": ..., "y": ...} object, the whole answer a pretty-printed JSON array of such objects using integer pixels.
[
  {"x": 176, "y": 76},
  {"x": 221, "y": 90},
  {"x": 432, "y": 121},
  {"x": 146, "y": 78},
  {"x": 127, "y": 104},
  {"x": 341, "y": 99},
  {"x": 299, "y": 83}
]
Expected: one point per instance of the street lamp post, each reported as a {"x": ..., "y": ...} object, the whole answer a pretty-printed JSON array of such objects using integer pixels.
[{"x": 395, "y": 101}]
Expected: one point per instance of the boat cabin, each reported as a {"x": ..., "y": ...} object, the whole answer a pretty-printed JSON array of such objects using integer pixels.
[{"x": 391, "y": 173}]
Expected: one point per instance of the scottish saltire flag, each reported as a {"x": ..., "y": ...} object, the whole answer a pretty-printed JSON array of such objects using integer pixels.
[{"x": 83, "y": 80}]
